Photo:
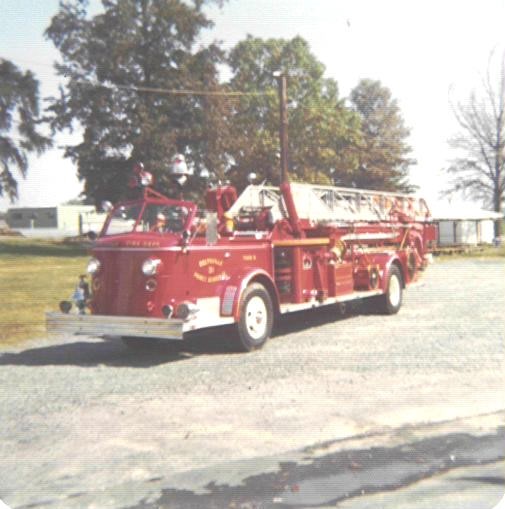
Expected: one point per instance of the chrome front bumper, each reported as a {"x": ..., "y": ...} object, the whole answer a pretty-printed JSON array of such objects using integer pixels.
[{"x": 101, "y": 325}]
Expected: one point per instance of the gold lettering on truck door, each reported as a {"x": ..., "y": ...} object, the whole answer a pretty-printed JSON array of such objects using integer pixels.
[{"x": 208, "y": 268}]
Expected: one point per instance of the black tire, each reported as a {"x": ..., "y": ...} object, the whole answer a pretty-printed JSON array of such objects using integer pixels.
[
  {"x": 256, "y": 318},
  {"x": 391, "y": 301}
]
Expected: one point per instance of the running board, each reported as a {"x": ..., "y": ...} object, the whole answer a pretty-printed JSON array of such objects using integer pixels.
[{"x": 314, "y": 303}]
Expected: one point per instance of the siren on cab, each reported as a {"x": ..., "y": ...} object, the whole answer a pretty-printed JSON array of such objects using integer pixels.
[
  {"x": 251, "y": 178},
  {"x": 179, "y": 170}
]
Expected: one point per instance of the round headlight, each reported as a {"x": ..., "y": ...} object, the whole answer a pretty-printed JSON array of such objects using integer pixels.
[
  {"x": 150, "y": 266},
  {"x": 93, "y": 266}
]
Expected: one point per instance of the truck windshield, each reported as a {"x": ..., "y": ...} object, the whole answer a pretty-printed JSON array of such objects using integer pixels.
[{"x": 157, "y": 218}]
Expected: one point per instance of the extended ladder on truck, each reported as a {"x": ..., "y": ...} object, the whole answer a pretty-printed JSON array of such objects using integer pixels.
[{"x": 334, "y": 206}]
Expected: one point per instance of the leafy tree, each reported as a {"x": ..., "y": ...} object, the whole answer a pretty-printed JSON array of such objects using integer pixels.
[
  {"x": 109, "y": 61},
  {"x": 383, "y": 152},
  {"x": 19, "y": 119},
  {"x": 321, "y": 128},
  {"x": 479, "y": 168}
]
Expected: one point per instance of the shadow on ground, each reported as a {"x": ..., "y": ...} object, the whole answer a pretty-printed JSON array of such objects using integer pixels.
[
  {"x": 109, "y": 352},
  {"x": 327, "y": 480},
  {"x": 113, "y": 352}
]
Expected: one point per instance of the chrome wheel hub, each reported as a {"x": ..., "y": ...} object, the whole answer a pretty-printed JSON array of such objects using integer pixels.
[{"x": 256, "y": 317}]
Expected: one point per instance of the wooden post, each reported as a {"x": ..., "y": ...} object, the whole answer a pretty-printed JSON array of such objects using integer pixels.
[{"x": 283, "y": 126}]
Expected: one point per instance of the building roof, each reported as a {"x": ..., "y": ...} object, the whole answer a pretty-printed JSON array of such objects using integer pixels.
[
  {"x": 452, "y": 211},
  {"x": 83, "y": 208}
]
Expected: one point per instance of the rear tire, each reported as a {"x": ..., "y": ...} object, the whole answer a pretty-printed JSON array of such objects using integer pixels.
[
  {"x": 255, "y": 318},
  {"x": 391, "y": 301}
]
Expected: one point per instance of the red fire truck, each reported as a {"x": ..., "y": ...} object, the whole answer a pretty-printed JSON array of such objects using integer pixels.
[{"x": 161, "y": 268}]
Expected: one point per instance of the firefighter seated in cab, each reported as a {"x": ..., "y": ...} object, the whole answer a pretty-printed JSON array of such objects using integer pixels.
[
  {"x": 160, "y": 226},
  {"x": 171, "y": 219}
]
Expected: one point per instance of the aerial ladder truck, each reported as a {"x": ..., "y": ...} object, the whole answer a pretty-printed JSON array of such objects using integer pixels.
[{"x": 161, "y": 268}]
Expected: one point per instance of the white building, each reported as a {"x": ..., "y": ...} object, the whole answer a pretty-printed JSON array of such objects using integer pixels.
[
  {"x": 61, "y": 220},
  {"x": 463, "y": 224}
]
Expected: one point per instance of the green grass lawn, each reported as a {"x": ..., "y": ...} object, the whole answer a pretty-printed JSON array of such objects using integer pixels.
[{"x": 35, "y": 275}]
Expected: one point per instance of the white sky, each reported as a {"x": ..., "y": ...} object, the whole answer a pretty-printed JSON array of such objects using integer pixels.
[{"x": 425, "y": 52}]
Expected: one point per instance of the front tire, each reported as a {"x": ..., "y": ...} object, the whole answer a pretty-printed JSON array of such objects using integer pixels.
[
  {"x": 255, "y": 318},
  {"x": 391, "y": 301}
]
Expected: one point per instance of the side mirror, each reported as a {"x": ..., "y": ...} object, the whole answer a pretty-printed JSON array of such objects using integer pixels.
[
  {"x": 92, "y": 235},
  {"x": 185, "y": 237}
]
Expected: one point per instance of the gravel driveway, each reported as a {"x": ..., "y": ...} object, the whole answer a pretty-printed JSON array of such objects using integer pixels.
[{"x": 88, "y": 423}]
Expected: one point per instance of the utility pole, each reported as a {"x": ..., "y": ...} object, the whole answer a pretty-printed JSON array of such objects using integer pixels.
[
  {"x": 283, "y": 136},
  {"x": 283, "y": 125}
]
